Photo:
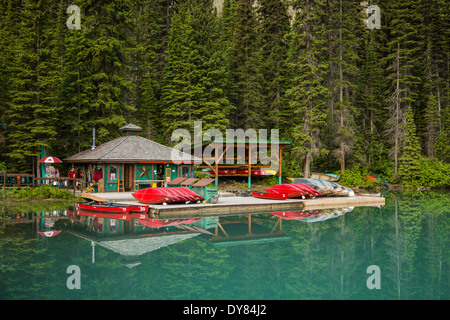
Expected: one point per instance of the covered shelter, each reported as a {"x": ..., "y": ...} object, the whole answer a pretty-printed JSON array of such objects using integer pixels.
[
  {"x": 241, "y": 157},
  {"x": 130, "y": 162}
]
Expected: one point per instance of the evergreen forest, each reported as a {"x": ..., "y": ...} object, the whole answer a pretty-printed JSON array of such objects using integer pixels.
[{"x": 349, "y": 97}]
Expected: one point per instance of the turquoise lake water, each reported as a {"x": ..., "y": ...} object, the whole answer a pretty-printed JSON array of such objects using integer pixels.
[{"x": 398, "y": 251}]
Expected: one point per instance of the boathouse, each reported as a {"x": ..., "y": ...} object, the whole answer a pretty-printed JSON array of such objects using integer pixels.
[
  {"x": 130, "y": 163},
  {"x": 245, "y": 158}
]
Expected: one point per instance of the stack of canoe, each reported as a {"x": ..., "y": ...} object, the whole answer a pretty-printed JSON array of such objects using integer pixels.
[
  {"x": 326, "y": 188},
  {"x": 285, "y": 191},
  {"x": 304, "y": 188},
  {"x": 167, "y": 195}
]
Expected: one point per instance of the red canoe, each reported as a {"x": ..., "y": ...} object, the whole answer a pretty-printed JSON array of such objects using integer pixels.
[
  {"x": 111, "y": 207},
  {"x": 166, "y": 195},
  {"x": 177, "y": 196},
  {"x": 273, "y": 196},
  {"x": 196, "y": 197},
  {"x": 294, "y": 190},
  {"x": 289, "y": 189},
  {"x": 152, "y": 196}
]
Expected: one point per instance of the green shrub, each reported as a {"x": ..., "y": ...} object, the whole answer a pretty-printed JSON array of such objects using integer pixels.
[
  {"x": 38, "y": 193},
  {"x": 356, "y": 177},
  {"x": 434, "y": 174}
]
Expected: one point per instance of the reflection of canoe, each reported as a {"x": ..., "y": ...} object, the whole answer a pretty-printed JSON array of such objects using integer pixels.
[
  {"x": 296, "y": 215},
  {"x": 273, "y": 196},
  {"x": 158, "y": 223},
  {"x": 111, "y": 207},
  {"x": 96, "y": 214},
  {"x": 368, "y": 194},
  {"x": 327, "y": 214},
  {"x": 166, "y": 195}
]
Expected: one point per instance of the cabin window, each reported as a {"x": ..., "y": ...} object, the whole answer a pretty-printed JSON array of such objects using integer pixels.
[{"x": 185, "y": 171}]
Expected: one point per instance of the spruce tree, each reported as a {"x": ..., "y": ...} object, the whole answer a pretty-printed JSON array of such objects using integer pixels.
[
  {"x": 9, "y": 20},
  {"x": 244, "y": 56},
  {"x": 272, "y": 29},
  {"x": 148, "y": 58},
  {"x": 371, "y": 117},
  {"x": 32, "y": 111},
  {"x": 75, "y": 127},
  {"x": 307, "y": 93},
  {"x": 195, "y": 75},
  {"x": 403, "y": 62},
  {"x": 432, "y": 121},
  {"x": 107, "y": 27},
  {"x": 410, "y": 159},
  {"x": 345, "y": 26}
]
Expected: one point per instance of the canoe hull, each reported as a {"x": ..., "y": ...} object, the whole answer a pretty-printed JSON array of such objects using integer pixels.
[
  {"x": 272, "y": 196},
  {"x": 294, "y": 190},
  {"x": 111, "y": 208}
]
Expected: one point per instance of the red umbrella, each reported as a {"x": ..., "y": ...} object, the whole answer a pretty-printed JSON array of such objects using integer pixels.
[{"x": 50, "y": 160}]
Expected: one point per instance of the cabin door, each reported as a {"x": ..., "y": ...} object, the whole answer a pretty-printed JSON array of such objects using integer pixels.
[
  {"x": 168, "y": 174},
  {"x": 128, "y": 177}
]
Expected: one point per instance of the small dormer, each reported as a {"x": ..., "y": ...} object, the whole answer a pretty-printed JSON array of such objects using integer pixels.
[{"x": 130, "y": 130}]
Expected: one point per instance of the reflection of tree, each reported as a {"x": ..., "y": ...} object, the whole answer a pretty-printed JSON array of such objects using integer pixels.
[
  {"x": 435, "y": 249},
  {"x": 341, "y": 261},
  {"x": 23, "y": 267},
  {"x": 308, "y": 274},
  {"x": 402, "y": 243},
  {"x": 397, "y": 251},
  {"x": 192, "y": 270}
]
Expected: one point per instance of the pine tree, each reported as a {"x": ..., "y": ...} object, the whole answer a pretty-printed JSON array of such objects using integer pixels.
[
  {"x": 442, "y": 145},
  {"x": 9, "y": 20},
  {"x": 272, "y": 29},
  {"x": 76, "y": 88},
  {"x": 34, "y": 75},
  {"x": 432, "y": 120},
  {"x": 107, "y": 27},
  {"x": 307, "y": 93},
  {"x": 244, "y": 55},
  {"x": 371, "y": 117},
  {"x": 148, "y": 58},
  {"x": 195, "y": 75},
  {"x": 405, "y": 44},
  {"x": 345, "y": 28},
  {"x": 410, "y": 158}
]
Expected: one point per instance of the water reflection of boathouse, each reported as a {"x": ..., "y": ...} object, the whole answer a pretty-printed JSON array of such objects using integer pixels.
[
  {"x": 246, "y": 229},
  {"x": 132, "y": 238}
]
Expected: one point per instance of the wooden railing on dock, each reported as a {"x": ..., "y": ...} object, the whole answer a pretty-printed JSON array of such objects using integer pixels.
[{"x": 30, "y": 180}]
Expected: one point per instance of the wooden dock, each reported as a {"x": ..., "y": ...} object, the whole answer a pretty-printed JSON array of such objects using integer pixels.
[{"x": 232, "y": 205}]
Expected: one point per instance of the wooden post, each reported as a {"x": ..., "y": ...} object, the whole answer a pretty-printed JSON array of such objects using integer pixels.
[
  {"x": 249, "y": 167},
  {"x": 279, "y": 164},
  {"x": 216, "y": 165}
]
